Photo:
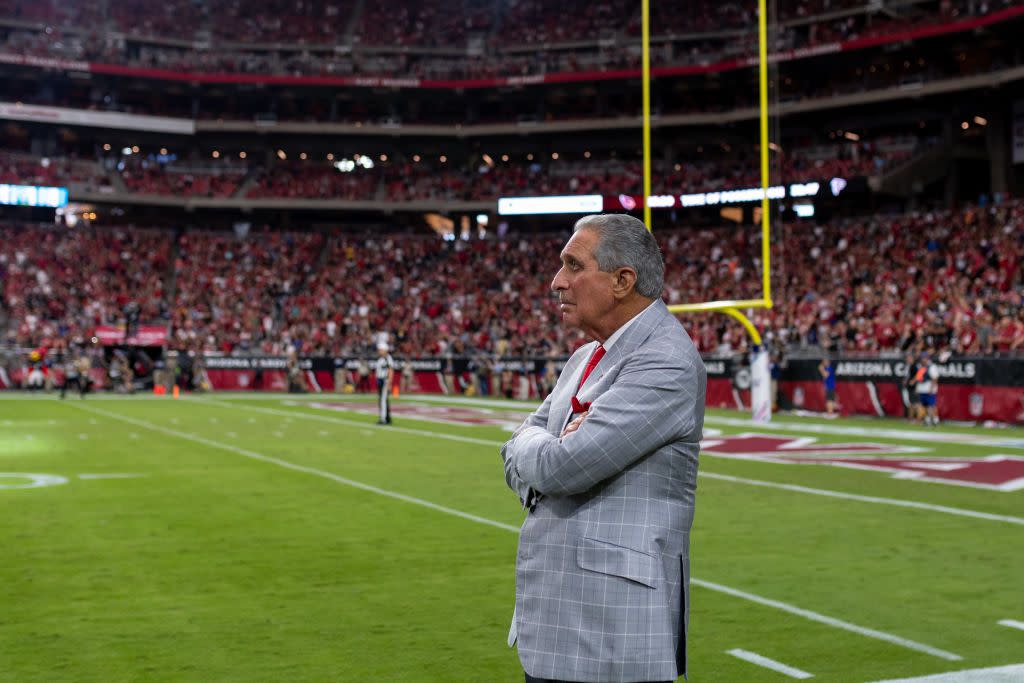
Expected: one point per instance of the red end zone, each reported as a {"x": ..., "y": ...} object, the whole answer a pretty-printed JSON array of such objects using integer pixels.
[{"x": 997, "y": 472}]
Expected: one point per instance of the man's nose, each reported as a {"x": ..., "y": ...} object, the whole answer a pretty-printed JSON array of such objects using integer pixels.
[{"x": 559, "y": 282}]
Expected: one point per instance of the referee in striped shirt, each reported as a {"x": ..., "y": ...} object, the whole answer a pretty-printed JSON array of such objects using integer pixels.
[{"x": 385, "y": 372}]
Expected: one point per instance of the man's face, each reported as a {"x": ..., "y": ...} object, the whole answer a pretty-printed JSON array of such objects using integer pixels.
[{"x": 584, "y": 292}]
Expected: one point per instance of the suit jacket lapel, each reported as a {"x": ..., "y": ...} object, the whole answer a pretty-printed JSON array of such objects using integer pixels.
[
  {"x": 631, "y": 339},
  {"x": 565, "y": 388}
]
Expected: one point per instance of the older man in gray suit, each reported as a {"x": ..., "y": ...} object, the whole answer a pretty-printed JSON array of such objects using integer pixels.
[{"x": 608, "y": 469}]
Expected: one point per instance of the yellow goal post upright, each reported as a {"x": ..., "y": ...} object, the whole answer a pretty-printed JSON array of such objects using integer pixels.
[{"x": 760, "y": 400}]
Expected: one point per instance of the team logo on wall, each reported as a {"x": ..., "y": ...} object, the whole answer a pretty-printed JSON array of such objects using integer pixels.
[
  {"x": 976, "y": 404},
  {"x": 997, "y": 472}
]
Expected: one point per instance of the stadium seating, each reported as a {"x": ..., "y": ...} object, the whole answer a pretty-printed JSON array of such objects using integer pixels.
[
  {"x": 432, "y": 25},
  {"x": 402, "y": 180},
  {"x": 947, "y": 280},
  {"x": 58, "y": 283}
]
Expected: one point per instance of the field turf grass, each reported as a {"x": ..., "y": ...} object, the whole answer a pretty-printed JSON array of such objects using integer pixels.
[{"x": 266, "y": 539}]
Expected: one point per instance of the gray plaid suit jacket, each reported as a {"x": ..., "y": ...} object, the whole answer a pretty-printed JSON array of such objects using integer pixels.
[{"x": 602, "y": 571}]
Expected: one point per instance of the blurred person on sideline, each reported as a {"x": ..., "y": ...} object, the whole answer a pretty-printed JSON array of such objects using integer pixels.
[
  {"x": 914, "y": 409},
  {"x": 928, "y": 389},
  {"x": 384, "y": 372},
  {"x": 827, "y": 369},
  {"x": 607, "y": 467}
]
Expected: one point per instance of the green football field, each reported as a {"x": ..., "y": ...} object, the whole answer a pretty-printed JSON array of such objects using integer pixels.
[{"x": 233, "y": 537}]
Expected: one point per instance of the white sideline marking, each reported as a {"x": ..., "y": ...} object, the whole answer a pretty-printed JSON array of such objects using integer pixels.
[
  {"x": 1013, "y": 673},
  {"x": 813, "y": 616},
  {"x": 755, "y": 658},
  {"x": 323, "y": 432},
  {"x": 960, "y": 512},
  {"x": 133, "y": 435},
  {"x": 232, "y": 435},
  {"x": 278, "y": 434},
  {"x": 83, "y": 437},
  {"x": 1012, "y": 623},
  {"x": 301, "y": 468},
  {"x": 110, "y": 476},
  {"x": 830, "y": 621},
  {"x": 867, "y": 432},
  {"x": 354, "y": 423},
  {"x": 29, "y": 437},
  {"x": 93, "y": 422}
]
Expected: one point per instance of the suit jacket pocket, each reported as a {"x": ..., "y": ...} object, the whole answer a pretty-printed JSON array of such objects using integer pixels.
[{"x": 616, "y": 560}]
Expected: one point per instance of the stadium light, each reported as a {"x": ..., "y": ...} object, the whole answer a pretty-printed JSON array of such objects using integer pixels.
[
  {"x": 528, "y": 206},
  {"x": 981, "y": 120},
  {"x": 33, "y": 195}
]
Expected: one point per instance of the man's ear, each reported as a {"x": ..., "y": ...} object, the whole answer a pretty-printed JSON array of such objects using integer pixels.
[{"x": 625, "y": 282}]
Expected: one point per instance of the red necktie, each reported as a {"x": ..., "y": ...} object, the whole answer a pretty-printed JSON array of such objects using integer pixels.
[{"x": 578, "y": 407}]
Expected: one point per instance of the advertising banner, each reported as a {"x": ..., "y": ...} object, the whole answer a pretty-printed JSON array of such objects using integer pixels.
[{"x": 144, "y": 335}]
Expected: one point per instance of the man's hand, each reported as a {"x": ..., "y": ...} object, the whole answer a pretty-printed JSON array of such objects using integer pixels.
[{"x": 575, "y": 424}]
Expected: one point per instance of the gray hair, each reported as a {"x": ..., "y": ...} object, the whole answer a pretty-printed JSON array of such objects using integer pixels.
[{"x": 625, "y": 242}]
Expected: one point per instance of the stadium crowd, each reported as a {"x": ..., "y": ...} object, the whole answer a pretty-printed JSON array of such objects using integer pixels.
[
  {"x": 937, "y": 279},
  {"x": 510, "y": 38},
  {"x": 19, "y": 168},
  {"x": 59, "y": 284},
  {"x": 406, "y": 179},
  {"x": 146, "y": 175}
]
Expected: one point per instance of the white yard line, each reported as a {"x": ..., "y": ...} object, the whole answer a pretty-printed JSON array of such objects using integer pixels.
[
  {"x": 959, "y": 512},
  {"x": 830, "y": 621},
  {"x": 112, "y": 475},
  {"x": 1013, "y": 673},
  {"x": 292, "y": 466},
  {"x": 813, "y": 616},
  {"x": 1012, "y": 623},
  {"x": 352, "y": 423},
  {"x": 760, "y": 660}
]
